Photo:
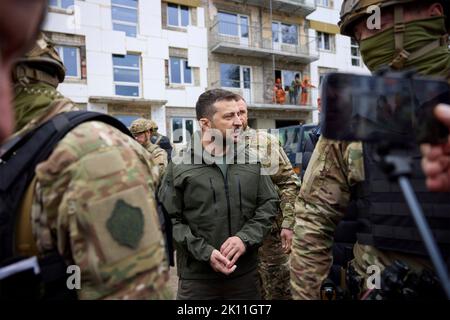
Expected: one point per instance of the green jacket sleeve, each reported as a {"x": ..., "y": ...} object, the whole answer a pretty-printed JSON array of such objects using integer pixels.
[
  {"x": 253, "y": 232},
  {"x": 171, "y": 197}
]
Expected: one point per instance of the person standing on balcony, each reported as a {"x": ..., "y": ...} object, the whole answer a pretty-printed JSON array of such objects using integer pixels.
[
  {"x": 294, "y": 91},
  {"x": 306, "y": 86},
  {"x": 280, "y": 94}
]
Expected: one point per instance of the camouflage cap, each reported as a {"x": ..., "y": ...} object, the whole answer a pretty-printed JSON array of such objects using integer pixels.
[
  {"x": 44, "y": 52},
  {"x": 153, "y": 125},
  {"x": 140, "y": 125}
]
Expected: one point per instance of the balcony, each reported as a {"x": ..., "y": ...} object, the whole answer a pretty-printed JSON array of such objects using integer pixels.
[
  {"x": 296, "y": 7},
  {"x": 261, "y": 96},
  {"x": 254, "y": 41}
]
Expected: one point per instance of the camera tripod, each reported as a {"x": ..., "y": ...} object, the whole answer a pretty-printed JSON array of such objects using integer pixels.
[{"x": 399, "y": 168}]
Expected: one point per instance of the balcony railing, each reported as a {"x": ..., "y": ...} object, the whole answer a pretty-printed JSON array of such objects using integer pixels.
[
  {"x": 297, "y": 7},
  {"x": 259, "y": 94},
  {"x": 254, "y": 41}
]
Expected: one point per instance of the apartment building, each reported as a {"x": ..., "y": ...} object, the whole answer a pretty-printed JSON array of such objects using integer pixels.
[
  {"x": 336, "y": 52},
  {"x": 252, "y": 44},
  {"x": 153, "y": 58},
  {"x": 133, "y": 58}
]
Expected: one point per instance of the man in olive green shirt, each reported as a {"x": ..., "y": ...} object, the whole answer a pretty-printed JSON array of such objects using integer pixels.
[{"x": 220, "y": 211}]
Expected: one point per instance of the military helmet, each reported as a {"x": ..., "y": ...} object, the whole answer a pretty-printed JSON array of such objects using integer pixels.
[
  {"x": 44, "y": 55},
  {"x": 140, "y": 125},
  {"x": 153, "y": 125},
  {"x": 353, "y": 10}
]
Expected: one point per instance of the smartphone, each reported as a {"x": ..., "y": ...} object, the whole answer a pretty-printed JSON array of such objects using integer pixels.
[{"x": 389, "y": 107}]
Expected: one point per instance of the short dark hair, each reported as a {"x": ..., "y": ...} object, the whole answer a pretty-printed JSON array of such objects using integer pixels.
[
  {"x": 205, "y": 103},
  {"x": 239, "y": 98}
]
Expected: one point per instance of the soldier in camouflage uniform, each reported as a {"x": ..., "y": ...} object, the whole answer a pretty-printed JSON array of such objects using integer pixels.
[
  {"x": 140, "y": 128},
  {"x": 96, "y": 187},
  {"x": 273, "y": 263},
  {"x": 340, "y": 172},
  {"x": 162, "y": 141}
]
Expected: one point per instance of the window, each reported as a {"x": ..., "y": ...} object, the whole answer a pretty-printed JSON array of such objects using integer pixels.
[
  {"x": 288, "y": 77},
  {"x": 64, "y": 4},
  {"x": 233, "y": 25},
  {"x": 323, "y": 71},
  {"x": 356, "y": 55},
  {"x": 325, "y": 41},
  {"x": 325, "y": 3},
  {"x": 71, "y": 59},
  {"x": 182, "y": 129},
  {"x": 177, "y": 16},
  {"x": 127, "y": 79},
  {"x": 125, "y": 16},
  {"x": 126, "y": 119},
  {"x": 235, "y": 76},
  {"x": 180, "y": 72},
  {"x": 284, "y": 33}
]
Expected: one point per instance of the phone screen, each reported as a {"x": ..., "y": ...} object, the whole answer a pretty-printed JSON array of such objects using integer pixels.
[{"x": 389, "y": 107}]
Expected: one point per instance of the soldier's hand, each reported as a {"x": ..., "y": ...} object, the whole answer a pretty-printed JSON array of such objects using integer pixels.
[
  {"x": 286, "y": 239},
  {"x": 219, "y": 263},
  {"x": 232, "y": 249},
  {"x": 436, "y": 158}
]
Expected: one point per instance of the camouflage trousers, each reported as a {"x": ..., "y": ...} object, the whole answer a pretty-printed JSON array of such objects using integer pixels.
[{"x": 273, "y": 267}]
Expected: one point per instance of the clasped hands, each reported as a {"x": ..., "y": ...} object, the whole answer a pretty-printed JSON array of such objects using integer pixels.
[{"x": 224, "y": 261}]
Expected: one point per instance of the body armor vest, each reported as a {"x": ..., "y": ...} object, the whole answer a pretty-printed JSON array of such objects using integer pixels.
[{"x": 385, "y": 221}]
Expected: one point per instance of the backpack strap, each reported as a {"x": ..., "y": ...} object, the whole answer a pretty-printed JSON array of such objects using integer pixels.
[
  {"x": 25, "y": 245},
  {"x": 20, "y": 158}
]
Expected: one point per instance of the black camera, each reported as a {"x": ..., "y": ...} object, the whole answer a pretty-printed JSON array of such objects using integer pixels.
[
  {"x": 393, "y": 112},
  {"x": 394, "y": 106}
]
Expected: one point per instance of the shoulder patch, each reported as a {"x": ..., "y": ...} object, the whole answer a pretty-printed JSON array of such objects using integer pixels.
[
  {"x": 126, "y": 224},
  {"x": 355, "y": 154}
]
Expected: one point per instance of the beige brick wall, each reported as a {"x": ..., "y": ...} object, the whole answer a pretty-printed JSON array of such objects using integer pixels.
[
  {"x": 66, "y": 39},
  {"x": 144, "y": 112},
  {"x": 178, "y": 52}
]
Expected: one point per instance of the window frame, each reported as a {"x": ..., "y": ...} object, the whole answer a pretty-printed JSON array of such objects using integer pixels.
[
  {"x": 179, "y": 16},
  {"x": 239, "y": 19},
  {"x": 280, "y": 33},
  {"x": 322, "y": 71},
  {"x": 329, "y": 4},
  {"x": 354, "y": 44},
  {"x": 322, "y": 40},
  {"x": 182, "y": 65},
  {"x": 183, "y": 127},
  {"x": 241, "y": 77},
  {"x": 285, "y": 71},
  {"x": 59, "y": 49},
  {"x": 126, "y": 23},
  {"x": 59, "y": 5},
  {"x": 128, "y": 84}
]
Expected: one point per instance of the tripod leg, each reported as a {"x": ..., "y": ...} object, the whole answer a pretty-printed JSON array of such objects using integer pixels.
[{"x": 426, "y": 234}]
